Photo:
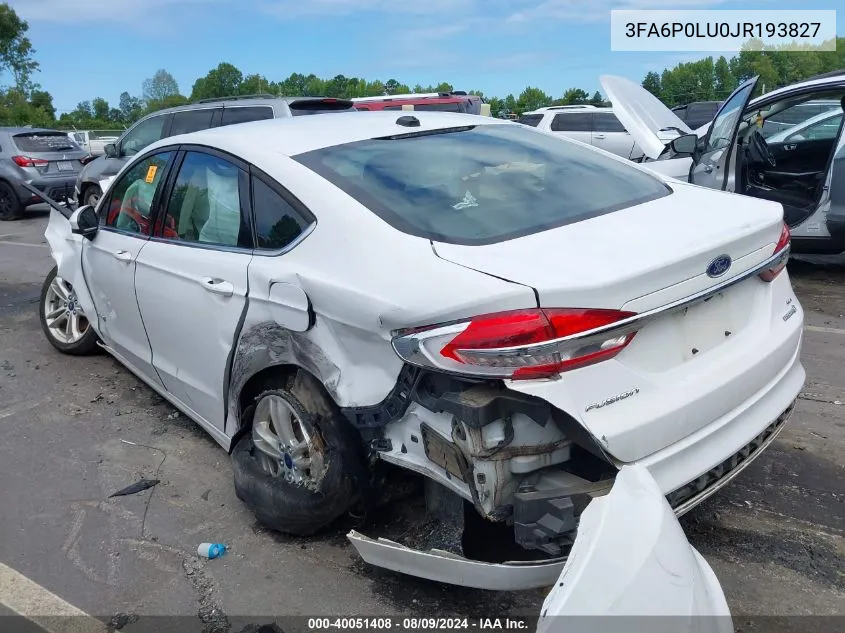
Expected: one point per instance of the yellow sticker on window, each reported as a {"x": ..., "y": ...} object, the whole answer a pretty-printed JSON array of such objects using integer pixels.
[{"x": 151, "y": 174}]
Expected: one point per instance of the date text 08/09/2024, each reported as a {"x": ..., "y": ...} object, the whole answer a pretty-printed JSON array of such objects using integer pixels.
[{"x": 417, "y": 624}]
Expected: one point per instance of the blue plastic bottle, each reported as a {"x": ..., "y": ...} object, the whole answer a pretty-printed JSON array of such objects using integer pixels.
[{"x": 211, "y": 550}]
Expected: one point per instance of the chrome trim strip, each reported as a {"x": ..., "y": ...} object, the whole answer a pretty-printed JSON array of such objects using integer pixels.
[
  {"x": 690, "y": 503},
  {"x": 408, "y": 346}
]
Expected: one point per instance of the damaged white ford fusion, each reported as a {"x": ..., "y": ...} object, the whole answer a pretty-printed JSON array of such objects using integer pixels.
[{"x": 517, "y": 318}]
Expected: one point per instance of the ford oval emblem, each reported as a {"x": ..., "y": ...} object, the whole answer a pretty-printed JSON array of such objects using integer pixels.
[{"x": 719, "y": 266}]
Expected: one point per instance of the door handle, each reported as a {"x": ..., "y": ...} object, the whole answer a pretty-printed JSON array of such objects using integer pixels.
[
  {"x": 218, "y": 286},
  {"x": 789, "y": 148},
  {"x": 708, "y": 169},
  {"x": 123, "y": 256},
  {"x": 598, "y": 136}
]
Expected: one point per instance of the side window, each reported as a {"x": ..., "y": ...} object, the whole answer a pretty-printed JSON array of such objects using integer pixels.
[
  {"x": 205, "y": 204},
  {"x": 146, "y": 132},
  {"x": 130, "y": 203},
  {"x": 277, "y": 223},
  {"x": 824, "y": 130},
  {"x": 572, "y": 123},
  {"x": 238, "y": 114},
  {"x": 606, "y": 122},
  {"x": 188, "y": 121},
  {"x": 530, "y": 119}
]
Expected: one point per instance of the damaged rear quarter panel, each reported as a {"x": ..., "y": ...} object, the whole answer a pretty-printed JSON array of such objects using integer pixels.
[{"x": 363, "y": 279}]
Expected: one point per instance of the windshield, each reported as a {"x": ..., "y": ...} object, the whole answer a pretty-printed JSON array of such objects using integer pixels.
[{"x": 481, "y": 184}]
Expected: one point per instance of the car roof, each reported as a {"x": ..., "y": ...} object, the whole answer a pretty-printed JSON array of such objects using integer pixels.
[
  {"x": 570, "y": 110},
  {"x": 245, "y": 100},
  {"x": 819, "y": 82},
  {"x": 295, "y": 135}
]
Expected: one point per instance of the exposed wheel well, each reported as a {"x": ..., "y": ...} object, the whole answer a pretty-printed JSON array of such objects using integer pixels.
[{"x": 276, "y": 376}]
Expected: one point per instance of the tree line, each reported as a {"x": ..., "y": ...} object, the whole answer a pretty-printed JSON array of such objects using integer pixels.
[{"x": 27, "y": 103}]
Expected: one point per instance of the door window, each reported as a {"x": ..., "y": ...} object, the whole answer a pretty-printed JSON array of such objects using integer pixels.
[
  {"x": 130, "y": 203},
  {"x": 824, "y": 130},
  {"x": 277, "y": 222},
  {"x": 606, "y": 122},
  {"x": 188, "y": 121},
  {"x": 531, "y": 120},
  {"x": 725, "y": 123},
  {"x": 205, "y": 204},
  {"x": 146, "y": 132},
  {"x": 242, "y": 114},
  {"x": 572, "y": 123}
]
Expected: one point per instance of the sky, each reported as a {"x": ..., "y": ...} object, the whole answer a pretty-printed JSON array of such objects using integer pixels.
[{"x": 91, "y": 48}]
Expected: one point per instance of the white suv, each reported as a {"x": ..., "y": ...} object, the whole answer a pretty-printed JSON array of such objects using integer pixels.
[{"x": 586, "y": 123}]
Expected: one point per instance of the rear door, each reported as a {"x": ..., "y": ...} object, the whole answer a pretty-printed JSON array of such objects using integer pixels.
[
  {"x": 245, "y": 114},
  {"x": 711, "y": 167},
  {"x": 609, "y": 134},
  {"x": 191, "y": 279},
  {"x": 187, "y": 121},
  {"x": 574, "y": 125}
]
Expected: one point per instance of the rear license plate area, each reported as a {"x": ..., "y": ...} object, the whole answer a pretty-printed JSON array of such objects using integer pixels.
[
  {"x": 444, "y": 453},
  {"x": 707, "y": 324},
  {"x": 64, "y": 165}
]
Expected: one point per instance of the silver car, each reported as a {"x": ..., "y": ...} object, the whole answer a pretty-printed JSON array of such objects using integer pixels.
[{"x": 46, "y": 159}]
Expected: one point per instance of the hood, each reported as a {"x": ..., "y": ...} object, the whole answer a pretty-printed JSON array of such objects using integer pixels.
[
  {"x": 100, "y": 168},
  {"x": 642, "y": 114}
]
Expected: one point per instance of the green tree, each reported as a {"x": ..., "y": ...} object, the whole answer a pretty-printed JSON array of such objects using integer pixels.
[
  {"x": 652, "y": 84},
  {"x": 15, "y": 49},
  {"x": 255, "y": 84},
  {"x": 131, "y": 108},
  {"x": 574, "y": 96},
  {"x": 597, "y": 100},
  {"x": 725, "y": 82},
  {"x": 160, "y": 86},
  {"x": 531, "y": 99},
  {"x": 43, "y": 100},
  {"x": 223, "y": 81},
  {"x": 100, "y": 109}
]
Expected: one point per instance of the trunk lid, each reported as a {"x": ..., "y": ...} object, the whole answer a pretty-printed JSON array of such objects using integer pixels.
[
  {"x": 642, "y": 257},
  {"x": 645, "y": 117}
]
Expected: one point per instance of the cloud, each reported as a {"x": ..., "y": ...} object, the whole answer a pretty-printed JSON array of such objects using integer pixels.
[{"x": 99, "y": 11}]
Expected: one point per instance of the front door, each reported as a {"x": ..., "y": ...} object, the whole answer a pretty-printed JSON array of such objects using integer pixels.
[
  {"x": 610, "y": 135},
  {"x": 191, "y": 281},
  {"x": 710, "y": 168},
  {"x": 109, "y": 260}
]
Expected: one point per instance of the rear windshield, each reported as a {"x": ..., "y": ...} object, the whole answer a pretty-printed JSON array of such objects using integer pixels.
[
  {"x": 481, "y": 184},
  {"x": 34, "y": 142},
  {"x": 319, "y": 106}
]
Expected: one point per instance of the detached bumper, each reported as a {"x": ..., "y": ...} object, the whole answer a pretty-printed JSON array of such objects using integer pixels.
[{"x": 59, "y": 189}]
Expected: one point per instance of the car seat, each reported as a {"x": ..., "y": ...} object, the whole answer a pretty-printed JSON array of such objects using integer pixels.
[{"x": 223, "y": 224}]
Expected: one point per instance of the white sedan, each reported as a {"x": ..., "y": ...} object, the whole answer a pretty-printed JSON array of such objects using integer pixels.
[{"x": 516, "y": 317}]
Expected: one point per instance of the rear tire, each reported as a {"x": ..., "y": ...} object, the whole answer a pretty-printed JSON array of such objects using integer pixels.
[
  {"x": 10, "y": 205},
  {"x": 65, "y": 325},
  {"x": 299, "y": 467}
]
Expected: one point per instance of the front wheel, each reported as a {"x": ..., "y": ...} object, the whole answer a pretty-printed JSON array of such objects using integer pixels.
[
  {"x": 298, "y": 469},
  {"x": 63, "y": 320}
]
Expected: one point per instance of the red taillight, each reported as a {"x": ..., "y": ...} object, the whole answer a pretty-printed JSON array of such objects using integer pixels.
[
  {"x": 330, "y": 100},
  {"x": 26, "y": 161},
  {"x": 525, "y": 344},
  {"x": 781, "y": 247}
]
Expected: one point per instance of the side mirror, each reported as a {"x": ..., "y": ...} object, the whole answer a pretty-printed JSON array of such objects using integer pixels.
[
  {"x": 111, "y": 150},
  {"x": 84, "y": 222},
  {"x": 686, "y": 144}
]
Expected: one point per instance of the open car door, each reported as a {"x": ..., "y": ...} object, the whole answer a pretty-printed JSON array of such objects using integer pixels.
[
  {"x": 631, "y": 559},
  {"x": 711, "y": 166}
]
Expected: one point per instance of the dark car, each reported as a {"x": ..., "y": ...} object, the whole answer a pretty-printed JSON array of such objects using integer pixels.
[
  {"x": 47, "y": 159},
  {"x": 457, "y": 101},
  {"x": 202, "y": 115},
  {"x": 697, "y": 113}
]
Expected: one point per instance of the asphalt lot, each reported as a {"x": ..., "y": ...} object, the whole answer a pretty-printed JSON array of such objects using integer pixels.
[{"x": 774, "y": 536}]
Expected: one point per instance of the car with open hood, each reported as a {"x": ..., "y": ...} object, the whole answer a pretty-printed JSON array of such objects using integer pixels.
[
  {"x": 333, "y": 301},
  {"x": 745, "y": 150}
]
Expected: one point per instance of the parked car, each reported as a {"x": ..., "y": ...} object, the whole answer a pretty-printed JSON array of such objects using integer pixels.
[
  {"x": 697, "y": 113},
  {"x": 456, "y": 101},
  {"x": 806, "y": 176},
  {"x": 205, "y": 114},
  {"x": 589, "y": 124},
  {"x": 92, "y": 141},
  {"x": 354, "y": 295},
  {"x": 47, "y": 159},
  {"x": 824, "y": 126}
]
